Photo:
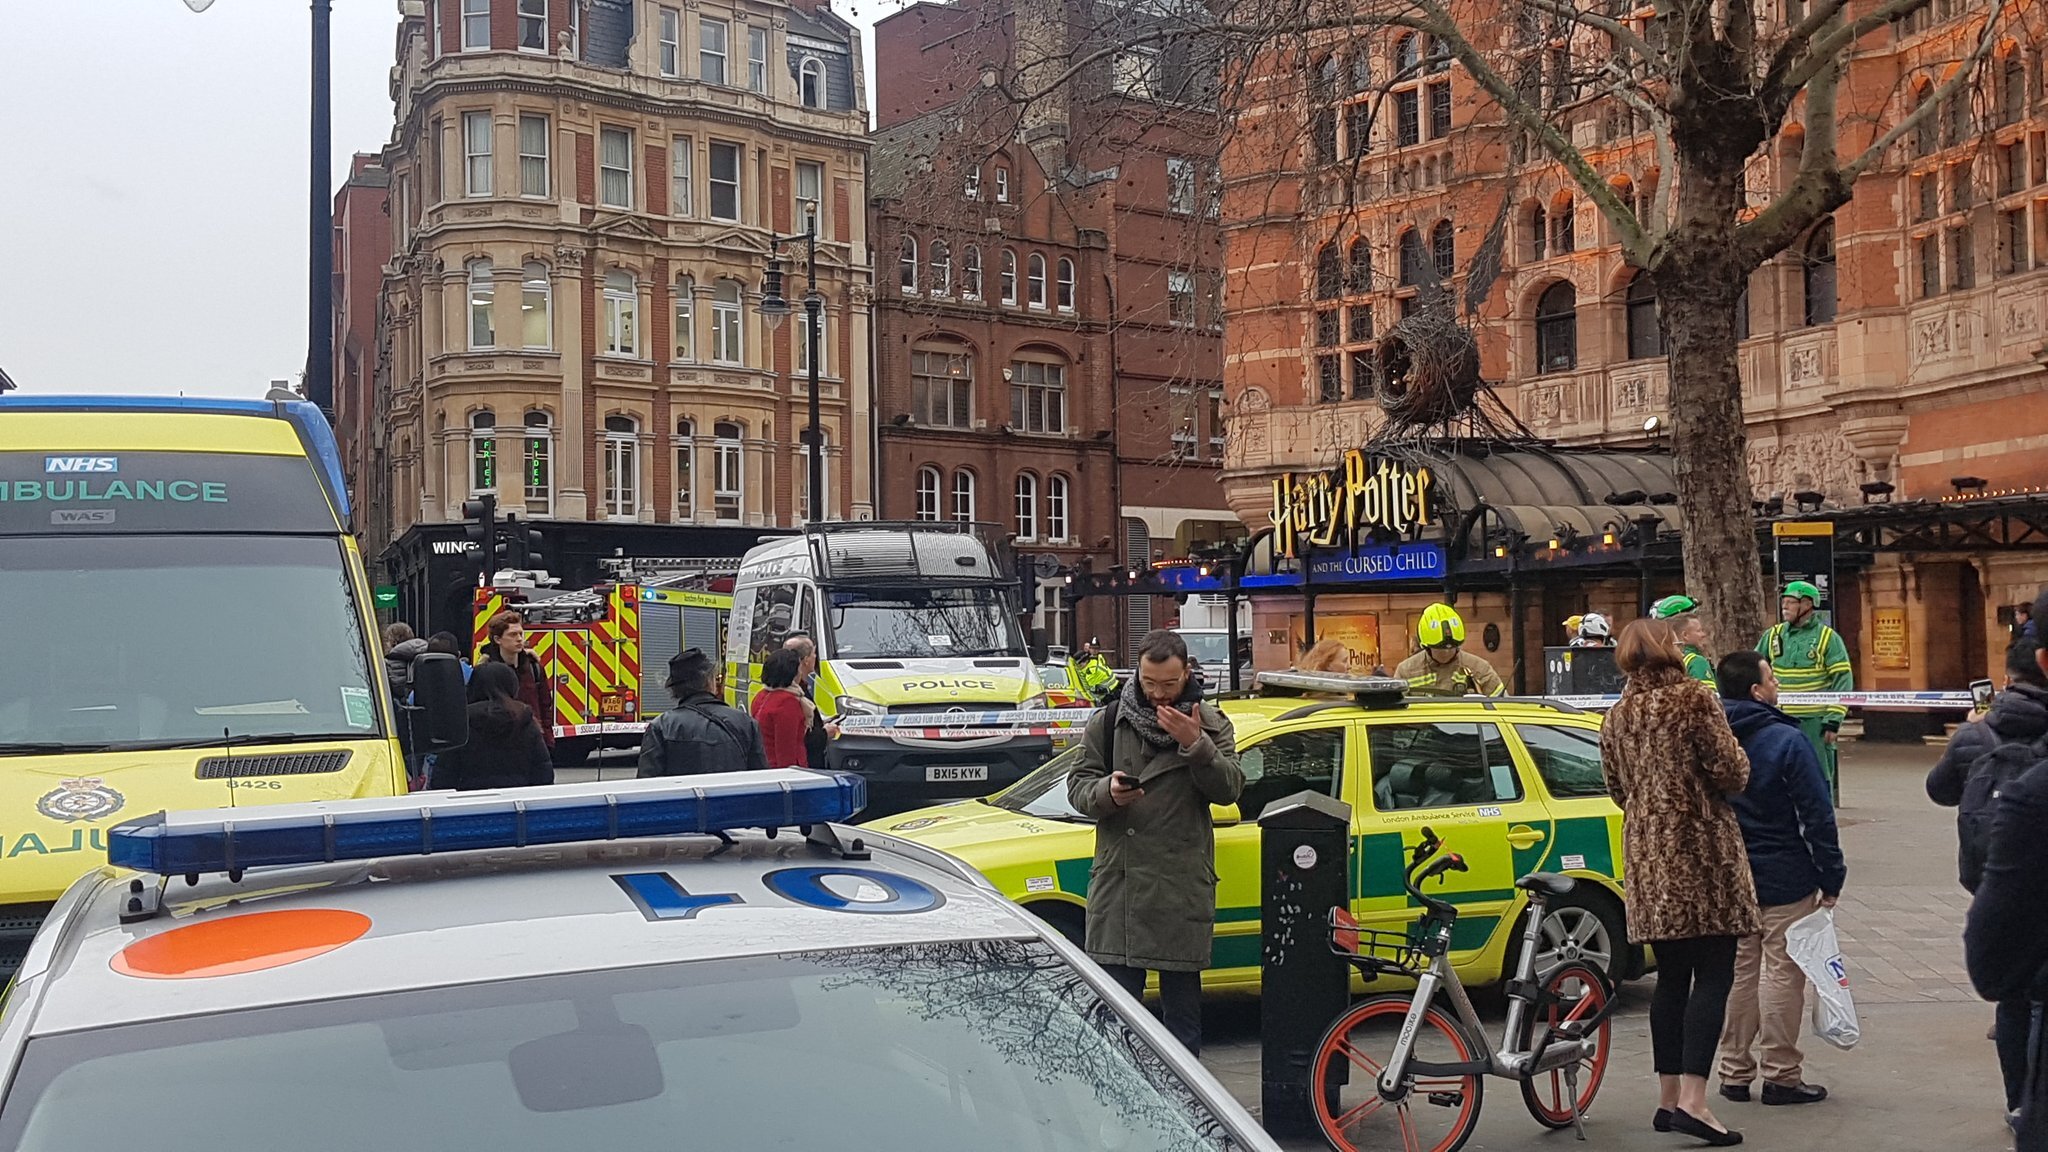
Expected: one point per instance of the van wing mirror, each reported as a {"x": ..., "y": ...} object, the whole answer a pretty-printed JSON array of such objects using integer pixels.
[
  {"x": 1224, "y": 815},
  {"x": 439, "y": 713}
]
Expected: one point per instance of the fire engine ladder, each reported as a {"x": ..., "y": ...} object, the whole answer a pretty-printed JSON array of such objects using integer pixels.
[{"x": 682, "y": 573}]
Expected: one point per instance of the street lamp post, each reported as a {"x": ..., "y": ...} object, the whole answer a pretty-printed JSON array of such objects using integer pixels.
[
  {"x": 320, "y": 222},
  {"x": 773, "y": 309}
]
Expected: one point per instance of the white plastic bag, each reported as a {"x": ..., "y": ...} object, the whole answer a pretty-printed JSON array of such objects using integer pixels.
[{"x": 1812, "y": 944}]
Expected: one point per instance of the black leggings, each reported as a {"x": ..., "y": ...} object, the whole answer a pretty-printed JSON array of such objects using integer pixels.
[{"x": 1691, "y": 1000}]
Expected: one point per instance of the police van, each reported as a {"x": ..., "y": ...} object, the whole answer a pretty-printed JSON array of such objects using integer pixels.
[
  {"x": 188, "y": 624},
  {"x": 915, "y": 622},
  {"x": 709, "y": 962}
]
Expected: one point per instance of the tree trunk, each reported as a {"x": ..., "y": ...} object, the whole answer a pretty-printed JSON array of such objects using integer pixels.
[{"x": 1698, "y": 285}]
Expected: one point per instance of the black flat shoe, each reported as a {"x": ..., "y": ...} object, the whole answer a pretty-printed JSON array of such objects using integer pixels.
[
  {"x": 1662, "y": 1120},
  {"x": 1738, "y": 1092},
  {"x": 1793, "y": 1093},
  {"x": 1683, "y": 1121}
]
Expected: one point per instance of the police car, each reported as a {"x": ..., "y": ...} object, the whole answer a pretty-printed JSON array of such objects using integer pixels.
[{"x": 632, "y": 964}]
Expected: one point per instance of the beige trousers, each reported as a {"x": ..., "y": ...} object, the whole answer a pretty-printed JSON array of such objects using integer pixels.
[{"x": 1767, "y": 1006}]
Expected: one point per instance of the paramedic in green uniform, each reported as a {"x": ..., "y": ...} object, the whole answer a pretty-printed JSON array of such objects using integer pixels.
[
  {"x": 1683, "y": 613},
  {"x": 1808, "y": 656}
]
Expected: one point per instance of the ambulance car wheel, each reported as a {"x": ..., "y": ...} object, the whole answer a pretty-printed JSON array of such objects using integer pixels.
[{"x": 1070, "y": 921}]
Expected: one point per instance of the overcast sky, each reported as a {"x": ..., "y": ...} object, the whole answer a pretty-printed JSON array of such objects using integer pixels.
[{"x": 153, "y": 195}]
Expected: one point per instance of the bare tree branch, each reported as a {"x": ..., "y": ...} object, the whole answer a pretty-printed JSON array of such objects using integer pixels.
[
  {"x": 1839, "y": 41},
  {"x": 1562, "y": 150},
  {"x": 1965, "y": 75},
  {"x": 1615, "y": 28}
]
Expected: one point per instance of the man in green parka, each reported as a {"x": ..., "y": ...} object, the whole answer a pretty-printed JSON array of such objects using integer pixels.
[
  {"x": 1683, "y": 613},
  {"x": 1152, "y": 762},
  {"x": 1809, "y": 656}
]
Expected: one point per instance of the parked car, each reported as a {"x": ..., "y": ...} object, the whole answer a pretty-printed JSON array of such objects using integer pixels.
[{"x": 1514, "y": 786}]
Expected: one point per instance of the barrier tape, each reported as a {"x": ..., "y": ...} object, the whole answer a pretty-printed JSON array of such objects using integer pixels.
[
  {"x": 963, "y": 725},
  {"x": 1877, "y": 700}
]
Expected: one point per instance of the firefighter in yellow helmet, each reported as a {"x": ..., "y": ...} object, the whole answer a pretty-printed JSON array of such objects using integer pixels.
[{"x": 1443, "y": 667}]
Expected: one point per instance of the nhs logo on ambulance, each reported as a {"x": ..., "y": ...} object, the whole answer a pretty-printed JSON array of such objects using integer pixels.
[{"x": 79, "y": 464}]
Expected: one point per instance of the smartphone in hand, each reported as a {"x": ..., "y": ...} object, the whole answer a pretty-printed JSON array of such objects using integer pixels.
[{"x": 1980, "y": 694}]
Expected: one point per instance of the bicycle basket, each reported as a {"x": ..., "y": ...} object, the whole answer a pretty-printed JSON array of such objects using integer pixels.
[{"x": 1374, "y": 952}]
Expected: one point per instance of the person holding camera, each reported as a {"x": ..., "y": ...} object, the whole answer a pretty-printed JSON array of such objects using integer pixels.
[{"x": 1153, "y": 761}]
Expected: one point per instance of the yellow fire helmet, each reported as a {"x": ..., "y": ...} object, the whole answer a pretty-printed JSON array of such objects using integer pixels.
[
  {"x": 1571, "y": 624},
  {"x": 1440, "y": 625}
]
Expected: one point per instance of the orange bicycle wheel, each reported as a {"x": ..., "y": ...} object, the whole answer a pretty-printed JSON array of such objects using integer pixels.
[
  {"x": 1431, "y": 1113},
  {"x": 1574, "y": 992}
]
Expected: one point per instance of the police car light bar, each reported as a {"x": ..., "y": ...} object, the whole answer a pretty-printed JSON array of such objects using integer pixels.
[
  {"x": 232, "y": 839},
  {"x": 1376, "y": 688}
]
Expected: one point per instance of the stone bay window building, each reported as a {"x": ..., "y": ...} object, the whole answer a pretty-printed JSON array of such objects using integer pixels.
[
  {"x": 583, "y": 195},
  {"x": 1892, "y": 361}
]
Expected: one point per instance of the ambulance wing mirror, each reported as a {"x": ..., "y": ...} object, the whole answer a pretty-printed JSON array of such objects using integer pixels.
[{"x": 440, "y": 703}]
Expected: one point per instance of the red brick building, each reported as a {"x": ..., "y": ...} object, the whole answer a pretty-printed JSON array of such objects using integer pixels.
[
  {"x": 362, "y": 243},
  {"x": 1048, "y": 325},
  {"x": 1896, "y": 354}
]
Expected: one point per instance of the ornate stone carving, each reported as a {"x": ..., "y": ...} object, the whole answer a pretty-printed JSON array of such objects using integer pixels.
[
  {"x": 1546, "y": 405},
  {"x": 1930, "y": 337},
  {"x": 531, "y": 213},
  {"x": 1811, "y": 461},
  {"x": 475, "y": 213},
  {"x": 1631, "y": 393},
  {"x": 1803, "y": 365},
  {"x": 2020, "y": 316},
  {"x": 479, "y": 365},
  {"x": 1253, "y": 400},
  {"x": 532, "y": 365},
  {"x": 569, "y": 254},
  {"x": 860, "y": 295},
  {"x": 730, "y": 379}
]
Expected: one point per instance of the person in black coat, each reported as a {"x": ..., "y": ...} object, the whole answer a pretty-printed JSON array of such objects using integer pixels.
[
  {"x": 701, "y": 733},
  {"x": 1795, "y": 859},
  {"x": 2005, "y": 939},
  {"x": 505, "y": 749}
]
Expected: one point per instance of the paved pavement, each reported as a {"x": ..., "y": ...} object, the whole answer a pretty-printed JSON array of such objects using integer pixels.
[{"x": 1923, "y": 1077}]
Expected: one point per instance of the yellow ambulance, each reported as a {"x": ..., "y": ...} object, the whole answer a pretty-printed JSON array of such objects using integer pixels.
[
  {"x": 1512, "y": 785},
  {"x": 187, "y": 624}
]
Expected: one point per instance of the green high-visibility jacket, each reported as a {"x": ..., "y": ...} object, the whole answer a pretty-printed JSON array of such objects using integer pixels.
[{"x": 1811, "y": 658}]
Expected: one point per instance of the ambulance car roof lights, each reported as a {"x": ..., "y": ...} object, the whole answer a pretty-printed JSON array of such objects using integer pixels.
[
  {"x": 230, "y": 840},
  {"x": 1372, "y": 689}
]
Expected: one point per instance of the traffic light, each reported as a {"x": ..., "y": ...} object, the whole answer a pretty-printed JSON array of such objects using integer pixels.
[
  {"x": 482, "y": 530},
  {"x": 522, "y": 545}
]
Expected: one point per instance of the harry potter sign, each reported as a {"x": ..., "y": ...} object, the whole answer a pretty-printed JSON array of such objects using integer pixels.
[{"x": 1362, "y": 497}]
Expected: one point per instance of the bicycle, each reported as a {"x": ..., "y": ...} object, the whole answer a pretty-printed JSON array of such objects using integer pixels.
[{"x": 1434, "y": 1063}]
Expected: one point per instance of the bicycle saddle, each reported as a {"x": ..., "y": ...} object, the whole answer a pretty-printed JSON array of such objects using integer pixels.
[{"x": 1549, "y": 882}]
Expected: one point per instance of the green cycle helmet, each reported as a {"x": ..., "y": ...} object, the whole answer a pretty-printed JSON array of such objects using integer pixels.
[
  {"x": 1803, "y": 590},
  {"x": 1671, "y": 606}
]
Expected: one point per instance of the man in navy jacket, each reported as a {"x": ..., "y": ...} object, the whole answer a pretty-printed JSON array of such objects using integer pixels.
[{"x": 1788, "y": 825}]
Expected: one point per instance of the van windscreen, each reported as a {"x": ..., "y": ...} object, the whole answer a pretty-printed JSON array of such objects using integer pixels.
[{"x": 915, "y": 623}]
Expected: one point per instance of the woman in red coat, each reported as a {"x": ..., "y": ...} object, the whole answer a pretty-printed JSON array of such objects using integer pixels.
[{"x": 781, "y": 710}]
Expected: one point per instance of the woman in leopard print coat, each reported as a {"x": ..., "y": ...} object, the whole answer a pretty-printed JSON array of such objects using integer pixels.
[{"x": 1672, "y": 762}]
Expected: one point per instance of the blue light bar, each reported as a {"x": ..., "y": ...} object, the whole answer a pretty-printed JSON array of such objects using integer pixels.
[{"x": 232, "y": 839}]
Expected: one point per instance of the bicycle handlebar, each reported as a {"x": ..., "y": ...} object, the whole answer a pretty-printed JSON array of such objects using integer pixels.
[{"x": 1425, "y": 848}]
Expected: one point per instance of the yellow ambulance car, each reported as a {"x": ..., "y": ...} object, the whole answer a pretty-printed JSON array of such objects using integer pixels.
[
  {"x": 187, "y": 625},
  {"x": 1514, "y": 786}
]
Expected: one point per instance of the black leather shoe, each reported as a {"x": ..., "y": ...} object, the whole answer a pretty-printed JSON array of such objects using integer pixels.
[
  {"x": 1662, "y": 1120},
  {"x": 1736, "y": 1092},
  {"x": 1683, "y": 1121},
  {"x": 1793, "y": 1093}
]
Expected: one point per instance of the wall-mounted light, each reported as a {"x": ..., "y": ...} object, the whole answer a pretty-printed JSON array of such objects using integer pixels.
[
  {"x": 1964, "y": 484},
  {"x": 1876, "y": 492},
  {"x": 1500, "y": 551},
  {"x": 1809, "y": 500},
  {"x": 1607, "y": 539}
]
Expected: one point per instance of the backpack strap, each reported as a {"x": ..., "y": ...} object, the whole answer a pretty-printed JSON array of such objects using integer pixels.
[
  {"x": 722, "y": 725},
  {"x": 1108, "y": 748}
]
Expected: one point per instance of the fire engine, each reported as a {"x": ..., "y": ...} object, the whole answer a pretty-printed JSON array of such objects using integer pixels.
[{"x": 607, "y": 647}]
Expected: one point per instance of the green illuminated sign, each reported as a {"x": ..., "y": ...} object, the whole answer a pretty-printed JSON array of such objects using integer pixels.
[{"x": 384, "y": 595}]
